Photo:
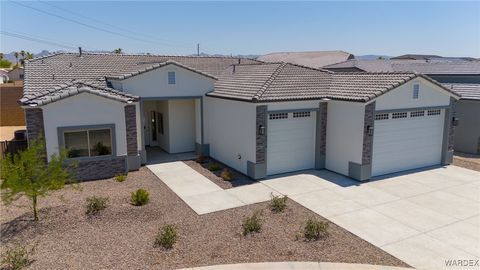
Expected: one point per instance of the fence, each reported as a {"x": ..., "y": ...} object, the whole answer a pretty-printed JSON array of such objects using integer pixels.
[{"x": 12, "y": 147}]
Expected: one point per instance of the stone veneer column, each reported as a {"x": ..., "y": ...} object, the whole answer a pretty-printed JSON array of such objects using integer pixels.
[
  {"x": 133, "y": 157},
  {"x": 321, "y": 136},
  {"x": 34, "y": 122},
  {"x": 258, "y": 168},
  {"x": 449, "y": 133}
]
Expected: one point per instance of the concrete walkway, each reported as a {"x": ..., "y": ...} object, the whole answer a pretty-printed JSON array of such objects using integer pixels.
[
  {"x": 296, "y": 266},
  {"x": 422, "y": 217}
]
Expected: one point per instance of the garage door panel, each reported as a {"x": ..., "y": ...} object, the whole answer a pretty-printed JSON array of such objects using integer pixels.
[
  {"x": 407, "y": 143},
  {"x": 290, "y": 144}
]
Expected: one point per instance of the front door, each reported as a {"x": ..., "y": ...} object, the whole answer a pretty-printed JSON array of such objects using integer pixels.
[{"x": 153, "y": 132}]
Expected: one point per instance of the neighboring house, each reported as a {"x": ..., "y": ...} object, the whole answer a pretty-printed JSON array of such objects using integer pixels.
[
  {"x": 16, "y": 74},
  {"x": 259, "y": 118},
  {"x": 314, "y": 59},
  {"x": 462, "y": 77},
  {"x": 11, "y": 113},
  {"x": 3, "y": 76},
  {"x": 431, "y": 57}
]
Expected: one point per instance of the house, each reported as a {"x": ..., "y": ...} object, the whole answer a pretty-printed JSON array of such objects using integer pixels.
[
  {"x": 314, "y": 59},
  {"x": 462, "y": 77},
  {"x": 259, "y": 118},
  {"x": 3, "y": 76},
  {"x": 16, "y": 74}
]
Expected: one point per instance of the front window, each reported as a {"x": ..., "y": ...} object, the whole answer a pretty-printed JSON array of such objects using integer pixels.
[
  {"x": 171, "y": 77},
  {"x": 88, "y": 143}
]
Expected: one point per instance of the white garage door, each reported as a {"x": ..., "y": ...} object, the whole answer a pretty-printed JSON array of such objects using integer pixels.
[
  {"x": 407, "y": 140},
  {"x": 290, "y": 142}
]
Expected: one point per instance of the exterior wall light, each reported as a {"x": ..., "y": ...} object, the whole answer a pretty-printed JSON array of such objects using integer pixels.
[
  {"x": 455, "y": 121},
  {"x": 261, "y": 130},
  {"x": 370, "y": 130}
]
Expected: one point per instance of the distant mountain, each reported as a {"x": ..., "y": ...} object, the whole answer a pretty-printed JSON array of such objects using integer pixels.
[
  {"x": 371, "y": 57},
  {"x": 11, "y": 56}
]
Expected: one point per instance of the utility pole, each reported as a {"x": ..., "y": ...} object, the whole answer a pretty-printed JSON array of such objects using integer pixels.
[{"x": 198, "y": 49}]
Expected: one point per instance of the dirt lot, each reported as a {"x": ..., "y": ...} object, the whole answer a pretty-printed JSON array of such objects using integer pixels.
[
  {"x": 468, "y": 161},
  {"x": 122, "y": 236}
]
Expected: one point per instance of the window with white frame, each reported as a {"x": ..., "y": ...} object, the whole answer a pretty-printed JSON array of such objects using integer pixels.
[
  {"x": 382, "y": 116},
  {"x": 301, "y": 114},
  {"x": 397, "y": 115},
  {"x": 88, "y": 142},
  {"x": 434, "y": 112},
  {"x": 417, "y": 114},
  {"x": 274, "y": 116},
  {"x": 171, "y": 77},
  {"x": 416, "y": 91}
]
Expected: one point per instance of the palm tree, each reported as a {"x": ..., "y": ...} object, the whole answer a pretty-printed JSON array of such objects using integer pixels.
[
  {"x": 22, "y": 53},
  {"x": 16, "y": 57},
  {"x": 118, "y": 50}
]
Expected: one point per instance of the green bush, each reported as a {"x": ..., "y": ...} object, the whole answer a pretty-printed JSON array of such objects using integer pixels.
[
  {"x": 140, "y": 197},
  {"x": 96, "y": 204},
  {"x": 227, "y": 175},
  {"x": 16, "y": 258},
  {"x": 315, "y": 229},
  {"x": 166, "y": 237},
  {"x": 120, "y": 178},
  {"x": 278, "y": 203},
  {"x": 214, "y": 167},
  {"x": 252, "y": 224}
]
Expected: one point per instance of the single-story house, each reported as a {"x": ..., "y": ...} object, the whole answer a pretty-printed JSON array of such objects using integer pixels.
[
  {"x": 462, "y": 75},
  {"x": 16, "y": 74},
  {"x": 259, "y": 118},
  {"x": 314, "y": 59}
]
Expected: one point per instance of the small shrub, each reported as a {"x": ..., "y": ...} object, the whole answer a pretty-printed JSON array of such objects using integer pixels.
[
  {"x": 227, "y": 175},
  {"x": 201, "y": 159},
  {"x": 16, "y": 257},
  {"x": 140, "y": 197},
  {"x": 277, "y": 203},
  {"x": 214, "y": 167},
  {"x": 96, "y": 204},
  {"x": 166, "y": 237},
  {"x": 120, "y": 178},
  {"x": 315, "y": 229},
  {"x": 252, "y": 224}
]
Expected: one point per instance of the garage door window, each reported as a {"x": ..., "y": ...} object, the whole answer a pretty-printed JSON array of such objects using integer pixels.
[
  {"x": 399, "y": 115},
  {"x": 274, "y": 116},
  {"x": 433, "y": 112},
  {"x": 301, "y": 114},
  {"x": 382, "y": 116},
  {"x": 417, "y": 114}
]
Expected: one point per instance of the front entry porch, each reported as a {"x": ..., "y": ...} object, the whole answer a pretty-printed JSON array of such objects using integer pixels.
[{"x": 157, "y": 155}]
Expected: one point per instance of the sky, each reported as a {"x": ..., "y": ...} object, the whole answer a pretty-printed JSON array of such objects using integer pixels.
[{"x": 226, "y": 27}]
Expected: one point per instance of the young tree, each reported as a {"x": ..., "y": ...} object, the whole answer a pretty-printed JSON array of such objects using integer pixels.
[
  {"x": 118, "y": 51},
  {"x": 28, "y": 174},
  {"x": 16, "y": 57}
]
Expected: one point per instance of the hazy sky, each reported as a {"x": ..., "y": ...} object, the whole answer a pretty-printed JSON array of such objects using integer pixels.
[{"x": 392, "y": 28}]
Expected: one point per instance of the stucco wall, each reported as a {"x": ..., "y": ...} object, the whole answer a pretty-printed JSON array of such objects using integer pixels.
[
  {"x": 344, "y": 135},
  {"x": 84, "y": 109},
  {"x": 467, "y": 133},
  {"x": 155, "y": 83},
  {"x": 402, "y": 97},
  {"x": 231, "y": 129},
  {"x": 181, "y": 127}
]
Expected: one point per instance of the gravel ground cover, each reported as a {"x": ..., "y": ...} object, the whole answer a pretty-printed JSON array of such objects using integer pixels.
[
  {"x": 122, "y": 235},
  {"x": 239, "y": 179},
  {"x": 468, "y": 161}
]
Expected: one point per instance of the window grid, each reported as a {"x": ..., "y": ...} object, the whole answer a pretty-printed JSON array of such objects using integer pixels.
[
  {"x": 301, "y": 114},
  {"x": 397, "y": 115},
  {"x": 171, "y": 77},
  {"x": 433, "y": 112},
  {"x": 417, "y": 114},
  {"x": 416, "y": 90},
  {"x": 274, "y": 116},
  {"x": 382, "y": 116}
]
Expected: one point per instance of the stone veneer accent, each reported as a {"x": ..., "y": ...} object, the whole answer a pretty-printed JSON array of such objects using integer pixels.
[
  {"x": 100, "y": 168},
  {"x": 451, "y": 130},
  {"x": 131, "y": 128},
  {"x": 34, "y": 122},
  {"x": 369, "y": 120},
  {"x": 261, "y": 140},
  {"x": 323, "y": 127}
]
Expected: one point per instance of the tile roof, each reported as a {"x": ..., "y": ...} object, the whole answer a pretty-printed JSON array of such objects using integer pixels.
[
  {"x": 43, "y": 74},
  {"x": 286, "y": 82},
  {"x": 314, "y": 59},
  {"x": 465, "y": 90},
  {"x": 420, "y": 66},
  {"x": 73, "y": 88}
]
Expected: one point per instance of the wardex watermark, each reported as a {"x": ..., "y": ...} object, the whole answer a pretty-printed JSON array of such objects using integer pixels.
[{"x": 475, "y": 263}]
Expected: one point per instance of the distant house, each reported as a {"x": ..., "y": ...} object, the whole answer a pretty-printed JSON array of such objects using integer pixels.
[
  {"x": 16, "y": 74},
  {"x": 3, "y": 76},
  {"x": 431, "y": 57},
  {"x": 314, "y": 59},
  {"x": 463, "y": 77}
]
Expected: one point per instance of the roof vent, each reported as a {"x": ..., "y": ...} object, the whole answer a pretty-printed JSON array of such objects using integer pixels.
[
  {"x": 239, "y": 59},
  {"x": 71, "y": 64},
  {"x": 80, "y": 51},
  {"x": 233, "y": 70},
  {"x": 53, "y": 77}
]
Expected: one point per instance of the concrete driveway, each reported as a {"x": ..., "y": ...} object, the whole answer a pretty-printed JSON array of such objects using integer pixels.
[{"x": 423, "y": 217}]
